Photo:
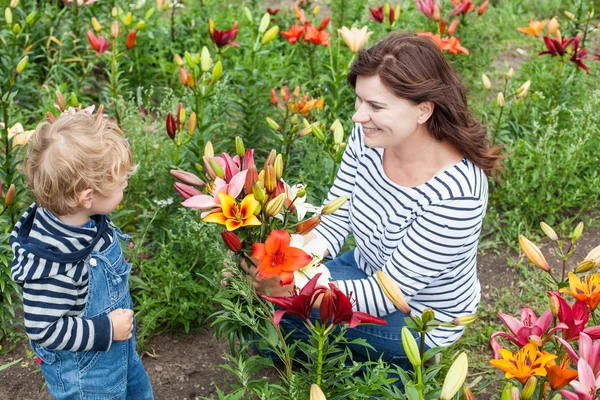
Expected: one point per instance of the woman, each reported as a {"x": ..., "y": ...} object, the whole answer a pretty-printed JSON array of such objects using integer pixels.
[{"x": 415, "y": 172}]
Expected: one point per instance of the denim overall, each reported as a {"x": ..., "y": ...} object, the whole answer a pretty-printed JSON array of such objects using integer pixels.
[{"x": 117, "y": 374}]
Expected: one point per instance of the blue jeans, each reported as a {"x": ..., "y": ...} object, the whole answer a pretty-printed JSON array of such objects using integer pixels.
[
  {"x": 117, "y": 374},
  {"x": 386, "y": 339}
]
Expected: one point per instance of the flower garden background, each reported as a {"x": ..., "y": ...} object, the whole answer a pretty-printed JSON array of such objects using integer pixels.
[{"x": 191, "y": 80}]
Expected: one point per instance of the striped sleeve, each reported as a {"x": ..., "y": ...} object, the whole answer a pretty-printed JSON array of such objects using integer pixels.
[
  {"x": 335, "y": 228},
  {"x": 438, "y": 243},
  {"x": 49, "y": 307}
]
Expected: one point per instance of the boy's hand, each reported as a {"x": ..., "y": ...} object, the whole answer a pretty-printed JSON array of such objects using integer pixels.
[{"x": 122, "y": 322}]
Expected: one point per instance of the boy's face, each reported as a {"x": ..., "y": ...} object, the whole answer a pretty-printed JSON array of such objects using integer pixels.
[{"x": 105, "y": 205}]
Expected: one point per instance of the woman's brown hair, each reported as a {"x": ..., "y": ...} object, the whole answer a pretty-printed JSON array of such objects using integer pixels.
[{"x": 413, "y": 68}]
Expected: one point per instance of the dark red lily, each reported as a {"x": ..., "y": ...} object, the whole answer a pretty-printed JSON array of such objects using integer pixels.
[
  {"x": 377, "y": 14},
  {"x": 579, "y": 54},
  {"x": 575, "y": 318},
  {"x": 300, "y": 303},
  {"x": 556, "y": 46},
  {"x": 337, "y": 308},
  {"x": 223, "y": 38},
  {"x": 231, "y": 240},
  {"x": 461, "y": 7},
  {"x": 272, "y": 11},
  {"x": 171, "y": 127}
]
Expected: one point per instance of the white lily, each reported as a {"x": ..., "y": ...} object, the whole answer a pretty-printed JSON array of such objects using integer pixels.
[
  {"x": 316, "y": 247},
  {"x": 302, "y": 207}
]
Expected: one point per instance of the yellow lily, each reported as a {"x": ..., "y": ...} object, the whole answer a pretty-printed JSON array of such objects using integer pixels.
[
  {"x": 234, "y": 215},
  {"x": 355, "y": 38},
  {"x": 586, "y": 291},
  {"x": 534, "y": 28},
  {"x": 524, "y": 363},
  {"x": 19, "y": 135}
]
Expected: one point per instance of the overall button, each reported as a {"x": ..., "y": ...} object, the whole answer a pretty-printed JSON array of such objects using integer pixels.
[{"x": 93, "y": 262}]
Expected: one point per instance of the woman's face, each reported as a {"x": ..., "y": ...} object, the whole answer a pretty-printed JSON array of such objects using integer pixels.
[{"x": 387, "y": 120}]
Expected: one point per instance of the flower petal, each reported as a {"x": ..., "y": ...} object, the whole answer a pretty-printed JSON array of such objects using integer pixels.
[
  {"x": 277, "y": 241},
  {"x": 201, "y": 202},
  {"x": 218, "y": 218},
  {"x": 228, "y": 205}
]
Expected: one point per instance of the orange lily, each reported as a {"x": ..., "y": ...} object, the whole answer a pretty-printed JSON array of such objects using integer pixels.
[
  {"x": 234, "y": 215},
  {"x": 587, "y": 291},
  {"x": 453, "y": 46},
  {"x": 304, "y": 106},
  {"x": 524, "y": 363},
  {"x": 534, "y": 28},
  {"x": 559, "y": 375},
  {"x": 276, "y": 257},
  {"x": 293, "y": 34},
  {"x": 316, "y": 36}
]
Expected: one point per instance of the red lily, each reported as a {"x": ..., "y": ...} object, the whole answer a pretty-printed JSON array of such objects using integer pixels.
[
  {"x": 556, "y": 47},
  {"x": 223, "y": 38},
  {"x": 231, "y": 240},
  {"x": 575, "y": 318},
  {"x": 316, "y": 36},
  {"x": 337, "y": 308},
  {"x": 324, "y": 23},
  {"x": 171, "y": 127},
  {"x": 300, "y": 303},
  {"x": 272, "y": 11},
  {"x": 461, "y": 8},
  {"x": 521, "y": 330},
  {"x": 427, "y": 7},
  {"x": 276, "y": 257},
  {"x": 597, "y": 56},
  {"x": 377, "y": 14},
  {"x": 578, "y": 54},
  {"x": 293, "y": 34},
  {"x": 98, "y": 43},
  {"x": 130, "y": 40}
]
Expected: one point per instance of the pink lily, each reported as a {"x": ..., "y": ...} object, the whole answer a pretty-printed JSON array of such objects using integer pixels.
[
  {"x": 211, "y": 201},
  {"x": 575, "y": 318},
  {"x": 187, "y": 191},
  {"x": 588, "y": 351},
  {"x": 426, "y": 7},
  {"x": 586, "y": 385},
  {"x": 521, "y": 330}
]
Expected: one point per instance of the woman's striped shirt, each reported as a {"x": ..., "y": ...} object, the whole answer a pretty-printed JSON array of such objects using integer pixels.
[{"x": 424, "y": 237}]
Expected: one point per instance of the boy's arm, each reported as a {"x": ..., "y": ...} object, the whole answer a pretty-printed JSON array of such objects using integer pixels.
[{"x": 47, "y": 304}]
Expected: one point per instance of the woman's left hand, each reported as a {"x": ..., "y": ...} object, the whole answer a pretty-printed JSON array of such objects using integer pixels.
[{"x": 265, "y": 286}]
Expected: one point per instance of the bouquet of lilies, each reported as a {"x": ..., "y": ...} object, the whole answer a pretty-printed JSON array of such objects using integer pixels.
[
  {"x": 557, "y": 348},
  {"x": 264, "y": 217}
]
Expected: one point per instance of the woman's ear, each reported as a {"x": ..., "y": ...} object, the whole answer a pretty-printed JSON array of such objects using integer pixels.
[
  {"x": 85, "y": 198},
  {"x": 425, "y": 111}
]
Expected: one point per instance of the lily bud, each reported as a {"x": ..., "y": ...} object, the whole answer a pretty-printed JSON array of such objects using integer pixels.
[
  {"x": 338, "y": 132},
  {"x": 436, "y": 13},
  {"x": 483, "y": 7},
  {"x": 318, "y": 132},
  {"x": 273, "y": 124},
  {"x": 30, "y": 17},
  {"x": 231, "y": 240},
  {"x": 452, "y": 27},
  {"x": 208, "y": 168},
  {"x": 140, "y": 26},
  {"x": 577, "y": 232},
  {"x": 178, "y": 60},
  {"x": 218, "y": 170},
  {"x": 271, "y": 158},
  {"x": 285, "y": 93},
  {"x": 16, "y": 29},
  {"x": 486, "y": 82},
  {"x": 468, "y": 394},
  {"x": 569, "y": 15},
  {"x": 8, "y": 16},
  {"x": 553, "y": 26},
  {"x": 278, "y": 166},
  {"x": 208, "y": 150},
  {"x": 14, "y": 3},
  {"x": 10, "y": 196},
  {"x": 189, "y": 59},
  {"x": 187, "y": 177},
  {"x": 248, "y": 15},
  {"x": 251, "y": 178},
  {"x": 114, "y": 12},
  {"x": 217, "y": 72},
  {"x": 305, "y": 227},
  {"x": 316, "y": 10},
  {"x": 334, "y": 205},
  {"x": 186, "y": 191},
  {"x": 171, "y": 127},
  {"x": 533, "y": 253},
  {"x": 585, "y": 266},
  {"x": 130, "y": 39},
  {"x": 274, "y": 206},
  {"x": 96, "y": 25},
  {"x": 506, "y": 392},
  {"x": 393, "y": 292},
  {"x": 239, "y": 146},
  {"x": 594, "y": 255},
  {"x": 500, "y": 100},
  {"x": 114, "y": 29},
  {"x": 181, "y": 117},
  {"x": 264, "y": 23},
  {"x": 427, "y": 316},
  {"x": 316, "y": 393},
  {"x": 127, "y": 20},
  {"x": 509, "y": 74},
  {"x": 22, "y": 65},
  {"x": 192, "y": 123},
  {"x": 296, "y": 92},
  {"x": 547, "y": 229},
  {"x": 554, "y": 306},
  {"x": 74, "y": 100},
  {"x": 270, "y": 182},
  {"x": 455, "y": 377},
  {"x": 522, "y": 91},
  {"x": 205, "y": 60},
  {"x": 270, "y": 35},
  {"x": 259, "y": 194},
  {"x": 515, "y": 394},
  {"x": 50, "y": 117},
  {"x": 464, "y": 320},
  {"x": 60, "y": 101},
  {"x": 411, "y": 348},
  {"x": 274, "y": 97},
  {"x": 535, "y": 339}
]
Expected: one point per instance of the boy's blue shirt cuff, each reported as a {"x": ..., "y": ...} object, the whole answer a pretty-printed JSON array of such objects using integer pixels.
[{"x": 103, "y": 333}]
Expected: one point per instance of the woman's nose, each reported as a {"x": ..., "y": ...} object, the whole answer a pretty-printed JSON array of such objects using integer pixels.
[{"x": 360, "y": 116}]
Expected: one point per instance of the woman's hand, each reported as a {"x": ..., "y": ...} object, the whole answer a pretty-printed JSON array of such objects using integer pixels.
[{"x": 265, "y": 286}]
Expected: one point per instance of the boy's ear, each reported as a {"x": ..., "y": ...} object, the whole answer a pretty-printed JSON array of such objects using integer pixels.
[{"x": 85, "y": 198}]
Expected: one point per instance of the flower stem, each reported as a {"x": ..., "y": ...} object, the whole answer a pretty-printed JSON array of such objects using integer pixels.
[{"x": 320, "y": 358}]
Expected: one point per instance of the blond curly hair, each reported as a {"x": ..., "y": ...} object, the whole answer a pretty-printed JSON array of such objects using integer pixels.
[{"x": 76, "y": 152}]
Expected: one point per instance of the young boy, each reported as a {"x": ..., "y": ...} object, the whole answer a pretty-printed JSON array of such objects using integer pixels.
[{"x": 69, "y": 261}]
